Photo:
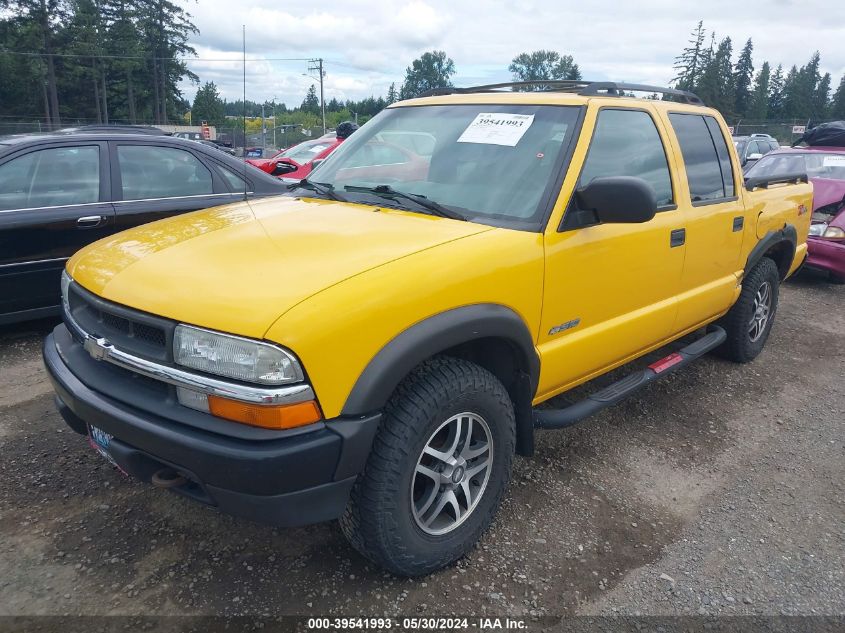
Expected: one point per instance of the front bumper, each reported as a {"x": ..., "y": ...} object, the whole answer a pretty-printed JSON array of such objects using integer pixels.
[
  {"x": 825, "y": 254},
  {"x": 287, "y": 479}
]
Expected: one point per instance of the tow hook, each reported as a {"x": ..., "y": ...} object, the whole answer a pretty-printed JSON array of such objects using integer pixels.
[{"x": 168, "y": 478}]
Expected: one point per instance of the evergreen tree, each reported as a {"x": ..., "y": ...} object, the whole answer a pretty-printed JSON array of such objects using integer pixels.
[
  {"x": 392, "y": 95},
  {"x": 837, "y": 108},
  {"x": 690, "y": 63},
  {"x": 431, "y": 70},
  {"x": 759, "y": 105},
  {"x": 821, "y": 98},
  {"x": 743, "y": 75},
  {"x": 311, "y": 103},
  {"x": 208, "y": 106},
  {"x": 776, "y": 85},
  {"x": 792, "y": 97},
  {"x": 716, "y": 86}
]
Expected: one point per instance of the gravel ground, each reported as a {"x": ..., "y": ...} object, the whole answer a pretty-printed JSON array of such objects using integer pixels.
[{"x": 719, "y": 490}]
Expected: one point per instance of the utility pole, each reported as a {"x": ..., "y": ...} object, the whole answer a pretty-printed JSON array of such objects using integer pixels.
[
  {"x": 263, "y": 132},
  {"x": 318, "y": 66}
]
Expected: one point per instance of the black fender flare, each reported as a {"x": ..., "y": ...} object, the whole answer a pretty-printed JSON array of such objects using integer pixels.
[
  {"x": 787, "y": 235},
  {"x": 431, "y": 336}
]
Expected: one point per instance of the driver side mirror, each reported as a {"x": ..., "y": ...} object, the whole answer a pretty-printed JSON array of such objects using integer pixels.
[
  {"x": 618, "y": 199},
  {"x": 283, "y": 168},
  {"x": 755, "y": 156}
]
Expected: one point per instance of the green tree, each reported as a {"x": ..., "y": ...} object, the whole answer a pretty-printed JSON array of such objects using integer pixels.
[
  {"x": 311, "y": 103},
  {"x": 690, "y": 63},
  {"x": 759, "y": 106},
  {"x": 821, "y": 99},
  {"x": 431, "y": 70},
  {"x": 392, "y": 94},
  {"x": 543, "y": 65},
  {"x": 743, "y": 75},
  {"x": 776, "y": 84},
  {"x": 208, "y": 106},
  {"x": 837, "y": 108},
  {"x": 716, "y": 85},
  {"x": 42, "y": 20}
]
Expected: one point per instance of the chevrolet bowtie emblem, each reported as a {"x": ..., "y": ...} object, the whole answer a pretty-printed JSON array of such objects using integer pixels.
[{"x": 97, "y": 348}]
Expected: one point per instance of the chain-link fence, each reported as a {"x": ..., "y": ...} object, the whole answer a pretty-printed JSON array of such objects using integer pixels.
[{"x": 786, "y": 131}]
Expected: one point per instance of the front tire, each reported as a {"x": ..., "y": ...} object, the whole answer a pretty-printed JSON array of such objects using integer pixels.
[
  {"x": 437, "y": 471},
  {"x": 749, "y": 322}
]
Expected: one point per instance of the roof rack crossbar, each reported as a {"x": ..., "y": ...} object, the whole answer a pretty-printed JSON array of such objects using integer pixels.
[{"x": 578, "y": 86}]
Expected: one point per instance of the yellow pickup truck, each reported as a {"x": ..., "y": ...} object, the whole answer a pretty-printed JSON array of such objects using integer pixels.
[{"x": 373, "y": 346}]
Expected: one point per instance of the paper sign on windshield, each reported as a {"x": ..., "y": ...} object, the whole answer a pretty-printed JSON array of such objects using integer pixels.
[
  {"x": 834, "y": 161},
  {"x": 497, "y": 128}
]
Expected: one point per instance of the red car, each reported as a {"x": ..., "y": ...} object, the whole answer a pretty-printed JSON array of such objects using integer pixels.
[
  {"x": 826, "y": 168},
  {"x": 295, "y": 163}
]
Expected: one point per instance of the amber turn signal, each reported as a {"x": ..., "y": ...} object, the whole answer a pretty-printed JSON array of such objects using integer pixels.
[{"x": 269, "y": 417}]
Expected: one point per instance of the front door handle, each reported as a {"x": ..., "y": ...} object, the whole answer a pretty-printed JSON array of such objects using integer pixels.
[
  {"x": 677, "y": 237},
  {"x": 739, "y": 222},
  {"x": 90, "y": 221}
]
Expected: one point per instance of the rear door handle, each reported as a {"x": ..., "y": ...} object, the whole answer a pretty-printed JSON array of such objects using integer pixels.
[
  {"x": 739, "y": 222},
  {"x": 90, "y": 221},
  {"x": 677, "y": 238}
]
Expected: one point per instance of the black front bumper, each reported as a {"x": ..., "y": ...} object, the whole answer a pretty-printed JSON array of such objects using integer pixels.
[{"x": 287, "y": 480}]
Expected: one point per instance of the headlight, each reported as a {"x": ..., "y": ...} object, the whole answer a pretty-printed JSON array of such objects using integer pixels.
[
  {"x": 234, "y": 357},
  {"x": 818, "y": 229},
  {"x": 65, "y": 285},
  {"x": 834, "y": 233}
]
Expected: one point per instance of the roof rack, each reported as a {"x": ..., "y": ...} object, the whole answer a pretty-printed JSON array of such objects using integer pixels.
[
  {"x": 577, "y": 86},
  {"x": 121, "y": 129}
]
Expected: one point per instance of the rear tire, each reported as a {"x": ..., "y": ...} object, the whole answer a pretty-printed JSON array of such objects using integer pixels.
[
  {"x": 749, "y": 322},
  {"x": 447, "y": 440}
]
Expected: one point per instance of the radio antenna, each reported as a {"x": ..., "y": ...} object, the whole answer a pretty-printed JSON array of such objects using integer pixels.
[{"x": 243, "y": 112}]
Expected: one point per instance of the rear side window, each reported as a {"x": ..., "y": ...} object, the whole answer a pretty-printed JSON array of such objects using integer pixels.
[
  {"x": 51, "y": 178},
  {"x": 626, "y": 143},
  {"x": 147, "y": 171},
  {"x": 236, "y": 183},
  {"x": 705, "y": 155}
]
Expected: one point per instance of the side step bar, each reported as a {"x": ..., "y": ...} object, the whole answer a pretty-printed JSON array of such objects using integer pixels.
[{"x": 618, "y": 391}]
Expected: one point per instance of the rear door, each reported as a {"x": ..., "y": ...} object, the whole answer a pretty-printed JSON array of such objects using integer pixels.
[
  {"x": 54, "y": 199},
  {"x": 153, "y": 181},
  {"x": 715, "y": 218}
]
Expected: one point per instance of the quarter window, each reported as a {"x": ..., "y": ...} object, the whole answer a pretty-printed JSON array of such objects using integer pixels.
[
  {"x": 706, "y": 158},
  {"x": 51, "y": 178},
  {"x": 626, "y": 143},
  {"x": 147, "y": 171},
  {"x": 236, "y": 182}
]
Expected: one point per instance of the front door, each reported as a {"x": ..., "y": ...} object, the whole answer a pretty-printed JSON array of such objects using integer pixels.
[
  {"x": 53, "y": 201},
  {"x": 610, "y": 289}
]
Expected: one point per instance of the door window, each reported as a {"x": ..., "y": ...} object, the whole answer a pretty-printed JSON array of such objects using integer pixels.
[
  {"x": 626, "y": 143},
  {"x": 708, "y": 171},
  {"x": 52, "y": 177},
  {"x": 149, "y": 171}
]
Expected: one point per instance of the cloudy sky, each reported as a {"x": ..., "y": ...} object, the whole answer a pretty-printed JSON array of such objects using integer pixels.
[{"x": 367, "y": 44}]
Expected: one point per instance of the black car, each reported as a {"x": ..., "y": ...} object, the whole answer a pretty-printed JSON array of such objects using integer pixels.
[
  {"x": 61, "y": 191},
  {"x": 752, "y": 148}
]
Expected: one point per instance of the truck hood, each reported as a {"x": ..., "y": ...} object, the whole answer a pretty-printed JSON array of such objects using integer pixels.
[
  {"x": 827, "y": 191},
  {"x": 239, "y": 267}
]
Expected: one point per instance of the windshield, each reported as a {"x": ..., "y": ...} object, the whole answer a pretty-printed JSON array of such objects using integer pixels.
[
  {"x": 306, "y": 151},
  {"x": 816, "y": 164},
  {"x": 494, "y": 163}
]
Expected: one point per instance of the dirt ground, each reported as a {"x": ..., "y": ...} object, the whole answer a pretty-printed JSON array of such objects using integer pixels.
[{"x": 719, "y": 490}]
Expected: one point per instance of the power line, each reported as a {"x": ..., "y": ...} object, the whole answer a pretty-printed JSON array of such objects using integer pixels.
[{"x": 185, "y": 59}]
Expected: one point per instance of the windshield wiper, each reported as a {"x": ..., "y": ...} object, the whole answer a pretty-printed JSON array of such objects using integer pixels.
[
  {"x": 386, "y": 191},
  {"x": 321, "y": 188}
]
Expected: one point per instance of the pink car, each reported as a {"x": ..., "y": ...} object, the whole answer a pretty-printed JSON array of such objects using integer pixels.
[{"x": 826, "y": 168}]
